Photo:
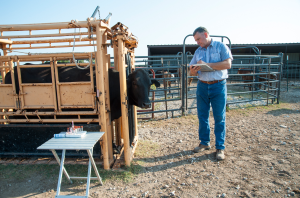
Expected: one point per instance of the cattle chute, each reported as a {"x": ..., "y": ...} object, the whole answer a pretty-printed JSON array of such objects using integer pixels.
[{"x": 56, "y": 103}]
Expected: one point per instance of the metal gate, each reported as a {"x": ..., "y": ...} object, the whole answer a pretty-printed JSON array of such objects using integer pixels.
[{"x": 177, "y": 94}]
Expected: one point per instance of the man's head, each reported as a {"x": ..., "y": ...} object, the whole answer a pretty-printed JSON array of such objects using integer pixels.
[{"x": 202, "y": 37}]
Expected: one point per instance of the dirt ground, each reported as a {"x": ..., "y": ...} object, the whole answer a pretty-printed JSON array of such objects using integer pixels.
[{"x": 262, "y": 160}]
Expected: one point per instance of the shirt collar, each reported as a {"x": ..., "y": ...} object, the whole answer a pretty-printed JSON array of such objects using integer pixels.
[{"x": 211, "y": 44}]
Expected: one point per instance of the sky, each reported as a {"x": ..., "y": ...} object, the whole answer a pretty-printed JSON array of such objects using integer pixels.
[{"x": 160, "y": 22}]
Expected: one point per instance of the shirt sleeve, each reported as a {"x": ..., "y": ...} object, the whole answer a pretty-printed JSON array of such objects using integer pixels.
[
  {"x": 194, "y": 61},
  {"x": 225, "y": 52}
]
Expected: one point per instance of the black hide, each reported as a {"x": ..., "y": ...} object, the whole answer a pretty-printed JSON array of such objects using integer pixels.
[{"x": 138, "y": 84}]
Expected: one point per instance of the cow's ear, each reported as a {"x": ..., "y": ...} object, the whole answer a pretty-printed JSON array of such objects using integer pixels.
[{"x": 155, "y": 82}]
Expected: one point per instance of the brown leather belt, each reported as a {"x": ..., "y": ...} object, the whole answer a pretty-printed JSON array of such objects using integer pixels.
[{"x": 212, "y": 82}]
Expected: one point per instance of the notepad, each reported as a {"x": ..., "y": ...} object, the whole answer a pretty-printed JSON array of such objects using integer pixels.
[{"x": 205, "y": 68}]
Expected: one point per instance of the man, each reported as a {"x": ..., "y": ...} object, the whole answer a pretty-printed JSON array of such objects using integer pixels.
[{"x": 211, "y": 88}]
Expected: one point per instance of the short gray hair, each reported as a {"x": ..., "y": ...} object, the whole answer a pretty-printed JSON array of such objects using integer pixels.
[{"x": 200, "y": 30}]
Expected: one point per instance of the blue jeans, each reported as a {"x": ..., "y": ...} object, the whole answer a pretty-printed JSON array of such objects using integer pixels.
[{"x": 214, "y": 95}]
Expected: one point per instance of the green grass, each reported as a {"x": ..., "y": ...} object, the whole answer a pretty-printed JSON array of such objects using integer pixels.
[
  {"x": 146, "y": 149},
  {"x": 23, "y": 173}
]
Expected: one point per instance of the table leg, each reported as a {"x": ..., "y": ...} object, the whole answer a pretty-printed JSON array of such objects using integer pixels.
[
  {"x": 58, "y": 161},
  {"x": 60, "y": 172},
  {"x": 94, "y": 165},
  {"x": 88, "y": 178}
]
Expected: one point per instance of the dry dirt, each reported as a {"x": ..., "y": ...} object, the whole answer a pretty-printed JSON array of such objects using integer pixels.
[{"x": 262, "y": 160}]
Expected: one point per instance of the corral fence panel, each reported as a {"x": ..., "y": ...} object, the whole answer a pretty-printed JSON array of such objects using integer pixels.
[
  {"x": 253, "y": 80},
  {"x": 291, "y": 71}
]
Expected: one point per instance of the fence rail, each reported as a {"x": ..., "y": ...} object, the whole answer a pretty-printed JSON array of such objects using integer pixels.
[{"x": 259, "y": 85}]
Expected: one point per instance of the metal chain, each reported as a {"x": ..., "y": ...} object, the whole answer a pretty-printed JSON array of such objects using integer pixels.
[{"x": 86, "y": 67}]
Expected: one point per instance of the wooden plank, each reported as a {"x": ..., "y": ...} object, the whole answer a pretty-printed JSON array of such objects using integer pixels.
[
  {"x": 45, "y": 47},
  {"x": 57, "y": 85},
  {"x": 44, "y": 35},
  {"x": 92, "y": 80},
  {"x": 66, "y": 40},
  {"x": 53, "y": 84},
  {"x": 134, "y": 107},
  {"x": 7, "y": 100},
  {"x": 4, "y": 41},
  {"x": 115, "y": 47},
  {"x": 50, "y": 120},
  {"x": 59, "y": 56},
  {"x": 123, "y": 95},
  {"x": 100, "y": 89},
  {"x": 106, "y": 63},
  {"x": 75, "y": 95},
  {"x": 50, "y": 113},
  {"x": 74, "y": 65},
  {"x": 38, "y": 96},
  {"x": 51, "y": 26}
]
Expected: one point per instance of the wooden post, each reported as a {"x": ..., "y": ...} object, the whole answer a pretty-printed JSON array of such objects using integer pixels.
[
  {"x": 123, "y": 95},
  {"x": 134, "y": 107},
  {"x": 106, "y": 65},
  {"x": 100, "y": 89},
  {"x": 117, "y": 121},
  {"x": 53, "y": 83}
]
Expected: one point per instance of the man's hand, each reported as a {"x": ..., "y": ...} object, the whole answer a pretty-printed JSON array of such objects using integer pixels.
[
  {"x": 201, "y": 62},
  {"x": 194, "y": 70}
]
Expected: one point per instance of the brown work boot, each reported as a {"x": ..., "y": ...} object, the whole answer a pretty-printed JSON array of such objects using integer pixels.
[
  {"x": 220, "y": 154},
  {"x": 201, "y": 148}
]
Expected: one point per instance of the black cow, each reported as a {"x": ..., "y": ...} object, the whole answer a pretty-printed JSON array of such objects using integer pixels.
[{"x": 138, "y": 84}]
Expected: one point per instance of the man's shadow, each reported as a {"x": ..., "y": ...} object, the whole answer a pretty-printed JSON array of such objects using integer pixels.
[{"x": 177, "y": 163}]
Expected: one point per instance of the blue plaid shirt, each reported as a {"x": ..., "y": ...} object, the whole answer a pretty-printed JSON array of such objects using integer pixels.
[{"x": 215, "y": 52}]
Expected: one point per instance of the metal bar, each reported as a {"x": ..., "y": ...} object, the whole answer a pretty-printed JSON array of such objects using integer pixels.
[
  {"x": 82, "y": 178},
  {"x": 95, "y": 12},
  {"x": 161, "y": 111},
  {"x": 94, "y": 166},
  {"x": 58, "y": 161},
  {"x": 268, "y": 81},
  {"x": 250, "y": 100},
  {"x": 164, "y": 56},
  {"x": 159, "y": 68},
  {"x": 60, "y": 172},
  {"x": 164, "y": 100},
  {"x": 251, "y": 65},
  {"x": 287, "y": 73},
  {"x": 280, "y": 71},
  {"x": 88, "y": 178},
  {"x": 70, "y": 196}
]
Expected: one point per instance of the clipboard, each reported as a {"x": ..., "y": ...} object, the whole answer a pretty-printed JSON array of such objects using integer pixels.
[{"x": 205, "y": 68}]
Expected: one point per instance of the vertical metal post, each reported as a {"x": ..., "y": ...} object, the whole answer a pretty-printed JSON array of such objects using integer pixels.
[
  {"x": 186, "y": 80},
  {"x": 60, "y": 171},
  {"x": 88, "y": 177},
  {"x": 253, "y": 85},
  {"x": 269, "y": 61},
  {"x": 280, "y": 71},
  {"x": 287, "y": 73},
  {"x": 165, "y": 85},
  {"x": 184, "y": 66},
  {"x": 94, "y": 13}
]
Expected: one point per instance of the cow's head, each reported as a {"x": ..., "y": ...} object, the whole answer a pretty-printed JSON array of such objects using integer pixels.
[{"x": 138, "y": 85}]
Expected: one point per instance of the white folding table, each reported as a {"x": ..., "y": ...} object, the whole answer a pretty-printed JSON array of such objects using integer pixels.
[{"x": 85, "y": 143}]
